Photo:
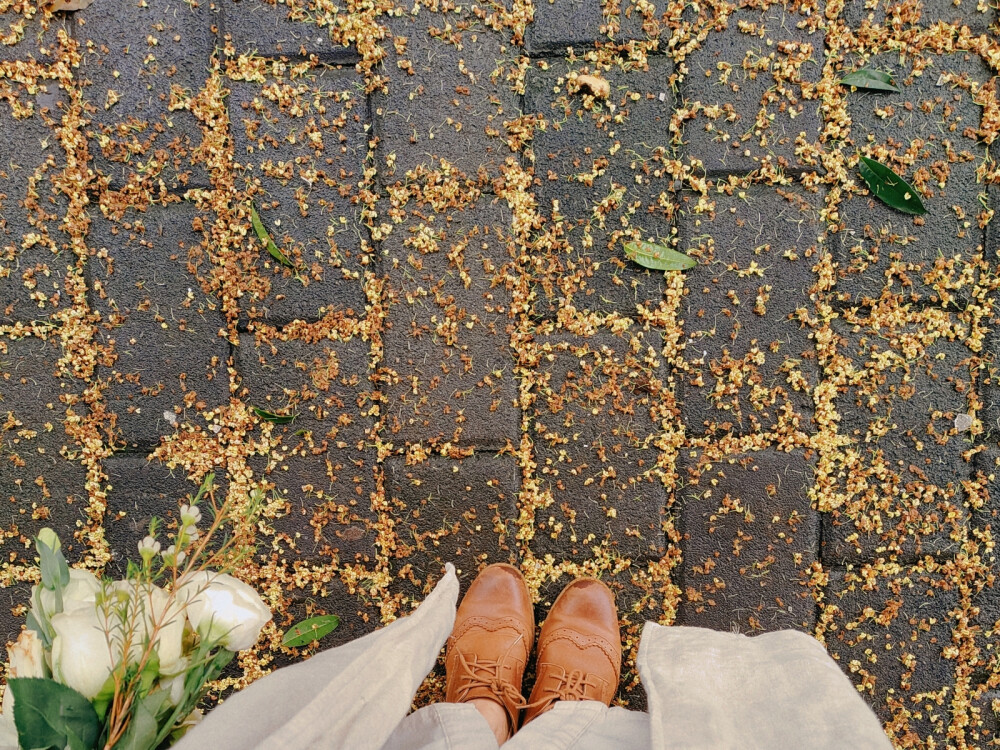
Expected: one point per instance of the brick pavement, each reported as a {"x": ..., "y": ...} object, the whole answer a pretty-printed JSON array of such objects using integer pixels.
[{"x": 477, "y": 372}]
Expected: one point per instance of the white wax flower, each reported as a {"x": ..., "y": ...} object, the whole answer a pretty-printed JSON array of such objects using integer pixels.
[
  {"x": 190, "y": 515},
  {"x": 224, "y": 609}
]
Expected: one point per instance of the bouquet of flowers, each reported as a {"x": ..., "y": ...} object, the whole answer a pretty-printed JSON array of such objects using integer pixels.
[{"x": 123, "y": 664}]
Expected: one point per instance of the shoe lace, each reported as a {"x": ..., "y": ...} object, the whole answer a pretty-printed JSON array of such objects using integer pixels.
[
  {"x": 568, "y": 686},
  {"x": 479, "y": 673}
]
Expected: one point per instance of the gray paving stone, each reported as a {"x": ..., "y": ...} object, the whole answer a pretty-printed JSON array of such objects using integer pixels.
[
  {"x": 39, "y": 486},
  {"x": 751, "y": 539},
  {"x": 278, "y": 29},
  {"x": 560, "y": 24},
  {"x": 144, "y": 60},
  {"x": 447, "y": 347},
  {"x": 596, "y": 201},
  {"x": 138, "y": 490},
  {"x": 977, "y": 16},
  {"x": 319, "y": 465},
  {"x": 905, "y": 462},
  {"x": 12, "y": 598},
  {"x": 753, "y": 85},
  {"x": 891, "y": 630},
  {"x": 452, "y": 510},
  {"x": 751, "y": 363},
  {"x": 301, "y": 146},
  {"x": 37, "y": 39},
  {"x": 883, "y": 252},
  {"x": 986, "y": 720},
  {"x": 450, "y": 108},
  {"x": 163, "y": 329},
  {"x": 593, "y": 427},
  {"x": 987, "y": 465},
  {"x": 33, "y": 254}
]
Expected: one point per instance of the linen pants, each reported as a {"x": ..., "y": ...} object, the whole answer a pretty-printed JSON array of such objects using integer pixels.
[{"x": 706, "y": 690}]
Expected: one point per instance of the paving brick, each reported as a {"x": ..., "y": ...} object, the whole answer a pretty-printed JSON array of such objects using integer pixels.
[
  {"x": 301, "y": 146},
  {"x": 560, "y": 24},
  {"x": 594, "y": 422},
  {"x": 39, "y": 486},
  {"x": 891, "y": 631},
  {"x": 750, "y": 363},
  {"x": 138, "y": 490},
  {"x": 279, "y": 29},
  {"x": 12, "y": 598},
  {"x": 448, "y": 510},
  {"x": 33, "y": 255},
  {"x": 985, "y": 719},
  {"x": 163, "y": 330},
  {"x": 751, "y": 539},
  {"x": 987, "y": 465},
  {"x": 318, "y": 465},
  {"x": 451, "y": 108},
  {"x": 145, "y": 60},
  {"x": 448, "y": 360},
  {"x": 753, "y": 77},
  {"x": 902, "y": 472},
  {"x": 929, "y": 135},
  {"x": 900, "y": 15},
  {"x": 596, "y": 201},
  {"x": 34, "y": 38}
]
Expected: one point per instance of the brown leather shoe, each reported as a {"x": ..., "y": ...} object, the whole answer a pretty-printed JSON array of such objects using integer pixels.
[
  {"x": 489, "y": 646},
  {"x": 579, "y": 649}
]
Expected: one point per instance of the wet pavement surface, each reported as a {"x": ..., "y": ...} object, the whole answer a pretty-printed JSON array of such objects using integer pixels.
[{"x": 802, "y": 431}]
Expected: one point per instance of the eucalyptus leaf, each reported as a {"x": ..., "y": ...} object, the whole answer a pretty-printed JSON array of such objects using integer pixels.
[
  {"x": 258, "y": 227},
  {"x": 310, "y": 630},
  {"x": 889, "y": 187},
  {"x": 873, "y": 80},
  {"x": 50, "y": 715},
  {"x": 658, "y": 257},
  {"x": 270, "y": 416},
  {"x": 55, "y": 571}
]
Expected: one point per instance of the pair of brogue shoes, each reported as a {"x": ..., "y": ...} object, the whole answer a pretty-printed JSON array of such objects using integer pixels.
[{"x": 579, "y": 647}]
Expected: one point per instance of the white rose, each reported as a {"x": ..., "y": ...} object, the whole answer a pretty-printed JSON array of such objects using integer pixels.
[
  {"x": 8, "y": 732},
  {"x": 169, "y": 615},
  {"x": 82, "y": 655},
  {"x": 27, "y": 659},
  {"x": 27, "y": 656},
  {"x": 80, "y": 593},
  {"x": 224, "y": 609}
]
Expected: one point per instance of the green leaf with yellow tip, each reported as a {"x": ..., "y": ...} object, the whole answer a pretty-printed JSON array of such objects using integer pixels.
[
  {"x": 307, "y": 631},
  {"x": 889, "y": 187},
  {"x": 658, "y": 257},
  {"x": 873, "y": 80}
]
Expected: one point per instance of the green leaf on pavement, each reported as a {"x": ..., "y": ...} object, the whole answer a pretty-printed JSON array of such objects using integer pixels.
[
  {"x": 50, "y": 715},
  {"x": 258, "y": 227},
  {"x": 889, "y": 187},
  {"x": 658, "y": 257},
  {"x": 270, "y": 416},
  {"x": 873, "y": 80},
  {"x": 310, "y": 630}
]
